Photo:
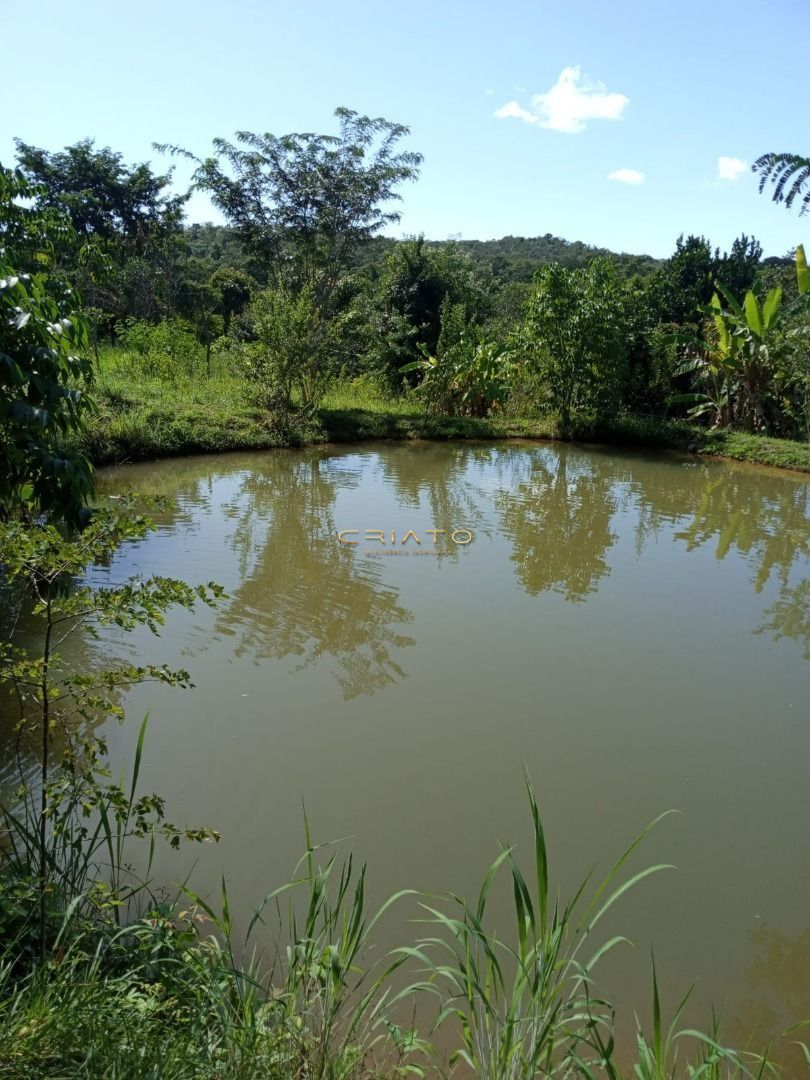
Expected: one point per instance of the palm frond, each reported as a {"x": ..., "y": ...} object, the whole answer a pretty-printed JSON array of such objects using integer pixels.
[{"x": 790, "y": 176}]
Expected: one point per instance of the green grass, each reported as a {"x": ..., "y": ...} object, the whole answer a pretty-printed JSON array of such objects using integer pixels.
[
  {"x": 145, "y": 418},
  {"x": 172, "y": 994},
  {"x": 678, "y": 435}
]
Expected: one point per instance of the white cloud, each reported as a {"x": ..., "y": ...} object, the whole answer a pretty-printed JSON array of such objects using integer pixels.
[
  {"x": 570, "y": 103},
  {"x": 730, "y": 168},
  {"x": 627, "y": 176},
  {"x": 511, "y": 108}
]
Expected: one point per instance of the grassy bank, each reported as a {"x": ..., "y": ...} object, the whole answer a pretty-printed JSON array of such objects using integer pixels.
[
  {"x": 170, "y": 992},
  {"x": 144, "y": 418}
]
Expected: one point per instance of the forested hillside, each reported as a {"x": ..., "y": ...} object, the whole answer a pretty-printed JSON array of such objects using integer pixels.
[{"x": 511, "y": 258}]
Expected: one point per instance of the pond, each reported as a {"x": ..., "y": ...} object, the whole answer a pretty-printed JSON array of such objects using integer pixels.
[{"x": 633, "y": 630}]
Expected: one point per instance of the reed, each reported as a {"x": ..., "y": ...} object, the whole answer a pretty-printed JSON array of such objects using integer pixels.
[{"x": 136, "y": 986}]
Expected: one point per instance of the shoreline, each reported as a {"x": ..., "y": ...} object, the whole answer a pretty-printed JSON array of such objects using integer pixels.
[{"x": 125, "y": 435}]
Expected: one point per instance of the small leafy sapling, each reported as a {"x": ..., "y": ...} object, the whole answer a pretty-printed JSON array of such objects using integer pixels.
[{"x": 71, "y": 818}]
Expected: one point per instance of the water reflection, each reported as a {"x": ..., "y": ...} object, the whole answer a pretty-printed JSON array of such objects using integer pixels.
[
  {"x": 305, "y": 595},
  {"x": 776, "y": 992},
  {"x": 444, "y": 480},
  {"x": 557, "y": 519},
  {"x": 295, "y": 592},
  {"x": 766, "y": 521},
  {"x": 789, "y": 616},
  {"x": 763, "y": 518}
]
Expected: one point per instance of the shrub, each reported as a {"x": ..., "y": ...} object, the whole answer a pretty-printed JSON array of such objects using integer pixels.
[
  {"x": 296, "y": 348},
  {"x": 574, "y": 335}
]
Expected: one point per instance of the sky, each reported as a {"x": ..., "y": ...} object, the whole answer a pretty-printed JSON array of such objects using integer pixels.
[{"x": 621, "y": 123}]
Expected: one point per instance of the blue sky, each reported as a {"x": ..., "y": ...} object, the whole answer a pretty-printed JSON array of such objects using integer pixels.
[{"x": 583, "y": 89}]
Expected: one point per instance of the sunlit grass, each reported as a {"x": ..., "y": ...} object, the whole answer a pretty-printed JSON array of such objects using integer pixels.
[
  {"x": 369, "y": 394},
  {"x": 143, "y": 416}
]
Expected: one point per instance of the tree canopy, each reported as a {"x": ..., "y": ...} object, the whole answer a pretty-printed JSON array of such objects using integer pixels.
[
  {"x": 104, "y": 198},
  {"x": 304, "y": 202}
]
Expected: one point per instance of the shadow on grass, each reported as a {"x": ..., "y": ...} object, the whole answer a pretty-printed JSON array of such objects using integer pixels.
[{"x": 348, "y": 425}]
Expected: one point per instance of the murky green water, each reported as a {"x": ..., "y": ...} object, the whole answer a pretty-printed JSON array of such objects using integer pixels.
[{"x": 635, "y": 630}]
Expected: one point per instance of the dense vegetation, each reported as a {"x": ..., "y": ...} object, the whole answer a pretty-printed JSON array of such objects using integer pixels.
[
  {"x": 298, "y": 292},
  {"x": 294, "y": 315}
]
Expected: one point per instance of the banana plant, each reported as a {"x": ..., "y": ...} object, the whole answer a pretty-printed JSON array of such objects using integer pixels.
[
  {"x": 483, "y": 370},
  {"x": 754, "y": 324},
  {"x": 468, "y": 379},
  {"x": 802, "y": 273},
  {"x": 716, "y": 360},
  {"x": 732, "y": 362}
]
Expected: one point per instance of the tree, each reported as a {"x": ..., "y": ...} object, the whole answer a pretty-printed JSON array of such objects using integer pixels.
[
  {"x": 789, "y": 174},
  {"x": 127, "y": 227},
  {"x": 417, "y": 281},
  {"x": 469, "y": 373},
  {"x": 44, "y": 371},
  {"x": 738, "y": 268},
  {"x": 125, "y": 205},
  {"x": 304, "y": 202},
  {"x": 574, "y": 336},
  {"x": 688, "y": 279},
  {"x": 690, "y": 275},
  {"x": 232, "y": 289}
]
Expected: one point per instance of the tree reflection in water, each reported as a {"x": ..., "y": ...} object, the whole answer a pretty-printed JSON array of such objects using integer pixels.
[
  {"x": 306, "y": 595},
  {"x": 558, "y": 521},
  {"x": 776, "y": 993},
  {"x": 295, "y": 592}
]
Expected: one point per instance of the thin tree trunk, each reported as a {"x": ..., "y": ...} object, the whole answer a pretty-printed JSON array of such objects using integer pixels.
[{"x": 95, "y": 343}]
